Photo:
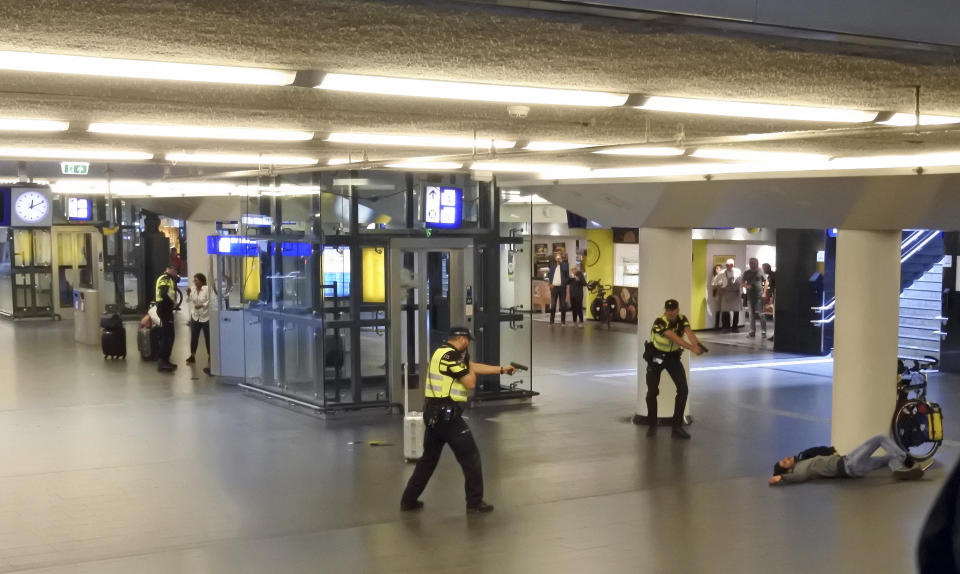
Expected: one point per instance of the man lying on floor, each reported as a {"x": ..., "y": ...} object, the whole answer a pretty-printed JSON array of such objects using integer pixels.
[{"x": 824, "y": 462}]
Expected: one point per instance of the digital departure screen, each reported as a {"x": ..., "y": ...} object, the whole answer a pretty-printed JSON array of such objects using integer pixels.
[
  {"x": 443, "y": 207},
  {"x": 231, "y": 245}
]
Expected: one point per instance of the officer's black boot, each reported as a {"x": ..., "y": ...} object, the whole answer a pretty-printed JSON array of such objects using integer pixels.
[
  {"x": 680, "y": 405},
  {"x": 483, "y": 507}
]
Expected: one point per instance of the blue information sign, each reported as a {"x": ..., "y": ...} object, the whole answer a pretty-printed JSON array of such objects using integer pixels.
[{"x": 443, "y": 207}]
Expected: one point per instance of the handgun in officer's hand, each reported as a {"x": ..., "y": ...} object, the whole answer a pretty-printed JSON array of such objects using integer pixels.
[{"x": 518, "y": 366}]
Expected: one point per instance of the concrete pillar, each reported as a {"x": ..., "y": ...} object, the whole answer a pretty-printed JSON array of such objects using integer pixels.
[
  {"x": 865, "y": 335},
  {"x": 666, "y": 272}
]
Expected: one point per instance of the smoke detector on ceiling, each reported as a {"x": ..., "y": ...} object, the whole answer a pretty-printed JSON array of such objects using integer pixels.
[{"x": 519, "y": 112}]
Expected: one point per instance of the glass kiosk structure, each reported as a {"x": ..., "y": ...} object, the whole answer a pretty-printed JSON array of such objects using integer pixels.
[{"x": 331, "y": 281}]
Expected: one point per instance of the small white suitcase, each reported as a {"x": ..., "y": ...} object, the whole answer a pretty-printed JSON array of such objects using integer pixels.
[{"x": 413, "y": 427}]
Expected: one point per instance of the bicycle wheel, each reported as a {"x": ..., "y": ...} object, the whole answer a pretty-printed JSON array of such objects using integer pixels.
[
  {"x": 613, "y": 304},
  {"x": 595, "y": 308},
  {"x": 910, "y": 432}
]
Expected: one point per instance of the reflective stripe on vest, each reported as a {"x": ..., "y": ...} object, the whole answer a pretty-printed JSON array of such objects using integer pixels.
[
  {"x": 441, "y": 386},
  {"x": 661, "y": 342},
  {"x": 161, "y": 281}
]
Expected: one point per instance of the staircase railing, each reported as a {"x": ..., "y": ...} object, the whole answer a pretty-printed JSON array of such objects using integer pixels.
[{"x": 909, "y": 247}]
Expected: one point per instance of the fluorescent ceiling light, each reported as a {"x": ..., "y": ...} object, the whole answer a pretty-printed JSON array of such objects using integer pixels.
[
  {"x": 534, "y": 199},
  {"x": 643, "y": 151},
  {"x": 142, "y": 69},
  {"x": 418, "y": 141},
  {"x": 752, "y": 155},
  {"x": 239, "y": 159},
  {"x": 945, "y": 159},
  {"x": 33, "y": 125},
  {"x": 554, "y": 146},
  {"x": 755, "y": 110},
  {"x": 503, "y": 166},
  {"x": 53, "y": 153},
  {"x": 468, "y": 91},
  {"x": 925, "y": 120},
  {"x": 426, "y": 165},
  {"x": 200, "y": 132}
]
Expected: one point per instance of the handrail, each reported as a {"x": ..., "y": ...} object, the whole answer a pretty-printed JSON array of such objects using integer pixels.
[{"x": 923, "y": 236}]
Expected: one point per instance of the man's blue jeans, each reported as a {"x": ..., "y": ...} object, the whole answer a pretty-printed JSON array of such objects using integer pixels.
[{"x": 861, "y": 461}]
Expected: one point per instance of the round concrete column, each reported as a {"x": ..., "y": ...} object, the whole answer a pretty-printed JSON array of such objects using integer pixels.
[
  {"x": 666, "y": 272},
  {"x": 865, "y": 335}
]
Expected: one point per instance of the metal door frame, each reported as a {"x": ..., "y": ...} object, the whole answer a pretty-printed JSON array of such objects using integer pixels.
[
  {"x": 95, "y": 261},
  {"x": 462, "y": 253}
]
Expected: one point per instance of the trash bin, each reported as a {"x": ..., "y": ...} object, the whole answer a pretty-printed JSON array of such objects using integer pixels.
[{"x": 86, "y": 316}]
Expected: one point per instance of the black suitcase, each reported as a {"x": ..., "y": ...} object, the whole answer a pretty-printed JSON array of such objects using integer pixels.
[
  {"x": 114, "y": 343},
  {"x": 148, "y": 342}
]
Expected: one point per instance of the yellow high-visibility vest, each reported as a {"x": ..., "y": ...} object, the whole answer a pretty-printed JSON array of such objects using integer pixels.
[
  {"x": 439, "y": 385},
  {"x": 171, "y": 287},
  {"x": 660, "y": 340}
]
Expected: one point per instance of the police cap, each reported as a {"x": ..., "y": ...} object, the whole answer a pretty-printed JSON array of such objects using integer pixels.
[
  {"x": 671, "y": 304},
  {"x": 460, "y": 332}
]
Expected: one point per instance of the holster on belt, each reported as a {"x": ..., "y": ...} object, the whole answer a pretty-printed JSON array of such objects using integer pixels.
[{"x": 436, "y": 411}]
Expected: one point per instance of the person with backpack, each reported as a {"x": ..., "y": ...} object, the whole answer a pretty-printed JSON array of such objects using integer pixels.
[{"x": 825, "y": 462}]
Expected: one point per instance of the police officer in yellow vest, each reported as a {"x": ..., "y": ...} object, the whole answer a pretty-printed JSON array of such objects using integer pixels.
[
  {"x": 165, "y": 297},
  {"x": 452, "y": 375},
  {"x": 666, "y": 337}
]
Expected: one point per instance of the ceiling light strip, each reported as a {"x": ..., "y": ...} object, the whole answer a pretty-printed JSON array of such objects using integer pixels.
[
  {"x": 239, "y": 159},
  {"x": 63, "y": 154},
  {"x": 199, "y": 132},
  {"x": 142, "y": 69},
  {"x": 468, "y": 91},
  {"x": 755, "y": 110},
  {"x": 418, "y": 141},
  {"x": 17, "y": 125}
]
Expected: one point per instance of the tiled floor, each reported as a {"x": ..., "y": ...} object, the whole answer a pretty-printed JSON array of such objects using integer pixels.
[{"x": 112, "y": 467}]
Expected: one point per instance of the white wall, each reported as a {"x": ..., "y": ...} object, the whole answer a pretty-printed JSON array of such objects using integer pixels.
[
  {"x": 197, "y": 259},
  {"x": 763, "y": 253}
]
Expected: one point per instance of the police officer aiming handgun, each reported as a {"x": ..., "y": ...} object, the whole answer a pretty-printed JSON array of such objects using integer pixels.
[
  {"x": 663, "y": 352},
  {"x": 452, "y": 375}
]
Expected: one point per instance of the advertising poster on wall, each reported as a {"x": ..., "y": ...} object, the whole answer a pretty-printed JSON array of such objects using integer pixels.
[
  {"x": 541, "y": 259},
  {"x": 626, "y": 234},
  {"x": 721, "y": 260},
  {"x": 623, "y": 303}
]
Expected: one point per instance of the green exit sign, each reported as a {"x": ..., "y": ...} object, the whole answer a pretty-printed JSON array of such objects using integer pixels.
[{"x": 75, "y": 167}]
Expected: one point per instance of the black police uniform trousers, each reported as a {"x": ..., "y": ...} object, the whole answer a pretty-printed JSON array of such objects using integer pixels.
[
  {"x": 671, "y": 363},
  {"x": 457, "y": 434},
  {"x": 167, "y": 332}
]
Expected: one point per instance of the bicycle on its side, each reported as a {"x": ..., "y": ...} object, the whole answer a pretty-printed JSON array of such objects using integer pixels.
[
  {"x": 603, "y": 307},
  {"x": 917, "y": 424}
]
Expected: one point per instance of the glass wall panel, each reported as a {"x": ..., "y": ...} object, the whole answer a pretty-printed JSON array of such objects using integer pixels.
[
  {"x": 516, "y": 281},
  {"x": 337, "y": 384}
]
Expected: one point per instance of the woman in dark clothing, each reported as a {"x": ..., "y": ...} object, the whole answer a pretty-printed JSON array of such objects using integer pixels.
[{"x": 576, "y": 285}]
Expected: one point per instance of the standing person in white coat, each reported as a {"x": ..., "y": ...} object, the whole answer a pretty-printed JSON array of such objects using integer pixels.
[
  {"x": 716, "y": 284},
  {"x": 199, "y": 298},
  {"x": 730, "y": 296}
]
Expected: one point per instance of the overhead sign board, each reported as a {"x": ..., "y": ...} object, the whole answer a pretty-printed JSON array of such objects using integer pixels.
[
  {"x": 443, "y": 207},
  {"x": 75, "y": 167}
]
